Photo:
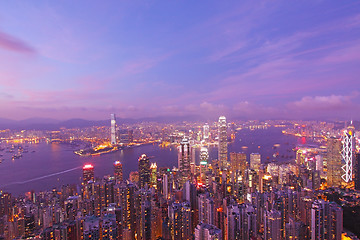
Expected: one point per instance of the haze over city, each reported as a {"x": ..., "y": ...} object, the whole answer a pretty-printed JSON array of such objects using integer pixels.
[{"x": 269, "y": 59}]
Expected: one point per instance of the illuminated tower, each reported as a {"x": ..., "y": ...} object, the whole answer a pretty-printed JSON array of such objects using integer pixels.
[
  {"x": 88, "y": 173},
  {"x": 144, "y": 171},
  {"x": 206, "y": 131},
  {"x": 333, "y": 162},
  {"x": 118, "y": 174},
  {"x": 347, "y": 153},
  {"x": 238, "y": 164},
  {"x": 204, "y": 156},
  {"x": 255, "y": 161},
  {"x": 113, "y": 129},
  {"x": 184, "y": 160},
  {"x": 153, "y": 177},
  {"x": 222, "y": 147}
]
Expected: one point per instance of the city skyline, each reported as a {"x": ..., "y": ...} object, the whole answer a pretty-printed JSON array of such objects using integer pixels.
[{"x": 269, "y": 60}]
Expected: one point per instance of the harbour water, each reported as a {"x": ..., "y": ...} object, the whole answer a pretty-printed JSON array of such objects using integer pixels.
[{"x": 45, "y": 166}]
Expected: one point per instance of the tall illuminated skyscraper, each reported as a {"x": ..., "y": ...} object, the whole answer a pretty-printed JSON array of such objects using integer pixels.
[
  {"x": 113, "y": 129},
  {"x": 255, "y": 161},
  {"x": 184, "y": 160},
  {"x": 222, "y": 147},
  {"x": 144, "y": 171},
  {"x": 333, "y": 162},
  {"x": 206, "y": 131},
  {"x": 347, "y": 153},
  {"x": 238, "y": 164},
  {"x": 118, "y": 173},
  {"x": 153, "y": 174},
  {"x": 204, "y": 156},
  {"x": 88, "y": 173}
]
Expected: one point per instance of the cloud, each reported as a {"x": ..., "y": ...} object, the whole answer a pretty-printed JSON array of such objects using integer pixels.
[
  {"x": 6, "y": 95},
  {"x": 332, "y": 102},
  {"x": 326, "y": 107},
  {"x": 14, "y": 44}
]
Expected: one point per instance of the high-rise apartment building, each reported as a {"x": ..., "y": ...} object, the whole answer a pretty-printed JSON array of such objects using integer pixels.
[
  {"x": 272, "y": 225},
  {"x": 88, "y": 173},
  {"x": 204, "y": 157},
  {"x": 357, "y": 170},
  {"x": 180, "y": 220},
  {"x": 238, "y": 164},
  {"x": 333, "y": 162},
  {"x": 206, "y": 209},
  {"x": 255, "y": 161},
  {"x": 118, "y": 173},
  {"x": 204, "y": 231},
  {"x": 335, "y": 221},
  {"x": 222, "y": 145},
  {"x": 326, "y": 220},
  {"x": 146, "y": 220},
  {"x": 144, "y": 171}
]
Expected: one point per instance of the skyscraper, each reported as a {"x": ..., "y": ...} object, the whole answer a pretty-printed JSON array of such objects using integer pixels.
[
  {"x": 180, "y": 220},
  {"x": 206, "y": 208},
  {"x": 113, "y": 129},
  {"x": 335, "y": 221},
  {"x": 144, "y": 171},
  {"x": 357, "y": 171},
  {"x": 347, "y": 153},
  {"x": 184, "y": 160},
  {"x": 118, "y": 174},
  {"x": 255, "y": 161},
  {"x": 204, "y": 156},
  {"x": 222, "y": 147},
  {"x": 88, "y": 173},
  {"x": 333, "y": 162},
  {"x": 206, "y": 231},
  {"x": 272, "y": 225},
  {"x": 153, "y": 177},
  {"x": 146, "y": 223},
  {"x": 206, "y": 132},
  {"x": 238, "y": 164},
  {"x": 326, "y": 220}
]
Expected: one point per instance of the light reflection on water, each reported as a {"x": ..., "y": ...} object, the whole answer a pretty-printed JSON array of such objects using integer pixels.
[{"x": 52, "y": 165}]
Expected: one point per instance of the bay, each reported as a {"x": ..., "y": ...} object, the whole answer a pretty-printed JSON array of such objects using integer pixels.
[{"x": 53, "y": 165}]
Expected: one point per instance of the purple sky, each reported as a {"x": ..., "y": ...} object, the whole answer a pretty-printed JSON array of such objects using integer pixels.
[{"x": 252, "y": 59}]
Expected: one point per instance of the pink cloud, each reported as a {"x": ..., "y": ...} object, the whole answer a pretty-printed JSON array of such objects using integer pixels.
[
  {"x": 324, "y": 103},
  {"x": 11, "y": 43}
]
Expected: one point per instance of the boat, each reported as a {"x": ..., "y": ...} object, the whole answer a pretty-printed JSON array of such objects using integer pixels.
[{"x": 16, "y": 156}]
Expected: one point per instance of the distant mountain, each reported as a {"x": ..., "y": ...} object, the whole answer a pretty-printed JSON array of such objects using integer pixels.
[
  {"x": 53, "y": 124},
  {"x": 6, "y": 121},
  {"x": 30, "y": 121}
]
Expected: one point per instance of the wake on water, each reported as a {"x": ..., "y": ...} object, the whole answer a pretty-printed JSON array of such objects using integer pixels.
[{"x": 40, "y": 178}]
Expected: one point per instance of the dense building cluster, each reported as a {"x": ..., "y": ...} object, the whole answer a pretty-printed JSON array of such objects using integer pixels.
[{"x": 235, "y": 198}]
